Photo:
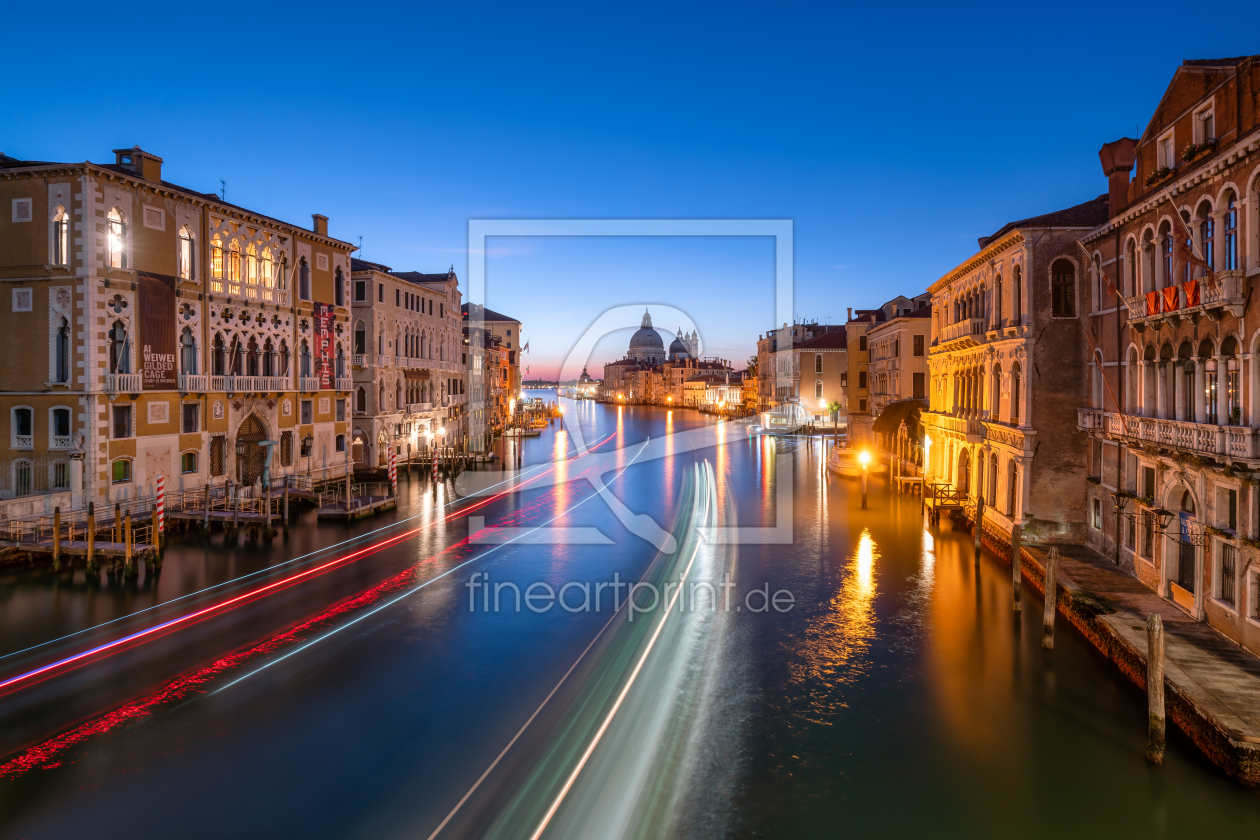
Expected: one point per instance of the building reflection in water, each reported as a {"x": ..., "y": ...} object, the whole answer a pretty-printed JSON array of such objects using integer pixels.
[{"x": 835, "y": 648}]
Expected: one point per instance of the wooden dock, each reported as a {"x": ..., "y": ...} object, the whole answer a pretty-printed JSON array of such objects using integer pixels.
[{"x": 358, "y": 508}]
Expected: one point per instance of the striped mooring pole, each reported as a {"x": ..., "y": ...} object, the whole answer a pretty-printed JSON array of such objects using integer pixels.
[
  {"x": 160, "y": 504},
  {"x": 393, "y": 471}
]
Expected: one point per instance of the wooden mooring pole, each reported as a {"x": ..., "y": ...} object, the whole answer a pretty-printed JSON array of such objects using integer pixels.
[
  {"x": 1052, "y": 597},
  {"x": 979, "y": 529},
  {"x": 91, "y": 538},
  {"x": 206, "y": 520},
  {"x": 57, "y": 539},
  {"x": 1155, "y": 688},
  {"x": 286, "y": 505},
  {"x": 129, "y": 563},
  {"x": 1017, "y": 564}
]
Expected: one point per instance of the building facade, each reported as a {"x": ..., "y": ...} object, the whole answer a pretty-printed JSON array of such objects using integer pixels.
[
  {"x": 897, "y": 368},
  {"x": 1006, "y": 373},
  {"x": 1172, "y": 413},
  {"x": 493, "y": 352},
  {"x": 167, "y": 333},
  {"x": 814, "y": 372},
  {"x": 409, "y": 369}
]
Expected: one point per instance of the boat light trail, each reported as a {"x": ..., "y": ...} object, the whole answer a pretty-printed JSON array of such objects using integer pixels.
[
  {"x": 326, "y": 549},
  {"x": 11, "y": 684}
]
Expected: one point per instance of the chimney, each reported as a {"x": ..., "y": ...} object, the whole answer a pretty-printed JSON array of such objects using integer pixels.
[
  {"x": 321, "y": 224},
  {"x": 147, "y": 166},
  {"x": 1117, "y": 159},
  {"x": 849, "y": 317}
]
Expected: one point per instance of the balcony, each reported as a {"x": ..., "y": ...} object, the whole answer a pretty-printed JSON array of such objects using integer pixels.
[
  {"x": 969, "y": 428},
  {"x": 345, "y": 383},
  {"x": 194, "y": 383},
  {"x": 419, "y": 408},
  {"x": 23, "y": 442},
  {"x": 62, "y": 442},
  {"x": 968, "y": 332},
  {"x": 124, "y": 383},
  {"x": 308, "y": 383},
  {"x": 1230, "y": 443},
  {"x": 358, "y": 360},
  {"x": 1227, "y": 292}
]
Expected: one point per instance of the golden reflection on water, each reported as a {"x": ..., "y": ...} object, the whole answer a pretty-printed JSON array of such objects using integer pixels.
[{"x": 832, "y": 652}]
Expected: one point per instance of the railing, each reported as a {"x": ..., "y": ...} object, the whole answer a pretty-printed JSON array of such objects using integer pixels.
[
  {"x": 968, "y": 328},
  {"x": 256, "y": 384},
  {"x": 419, "y": 408},
  {"x": 1228, "y": 289},
  {"x": 1200, "y": 438},
  {"x": 308, "y": 383},
  {"x": 127, "y": 383},
  {"x": 23, "y": 441},
  {"x": 973, "y": 428},
  {"x": 345, "y": 383},
  {"x": 358, "y": 360},
  {"x": 198, "y": 382},
  {"x": 36, "y": 475},
  {"x": 62, "y": 442}
]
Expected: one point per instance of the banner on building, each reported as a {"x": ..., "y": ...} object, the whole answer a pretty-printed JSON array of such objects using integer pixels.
[
  {"x": 1192, "y": 292},
  {"x": 1152, "y": 303},
  {"x": 156, "y": 340},
  {"x": 324, "y": 318},
  {"x": 1170, "y": 299}
]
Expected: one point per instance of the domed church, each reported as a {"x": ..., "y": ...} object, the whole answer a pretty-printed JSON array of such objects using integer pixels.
[
  {"x": 646, "y": 344},
  {"x": 684, "y": 346}
]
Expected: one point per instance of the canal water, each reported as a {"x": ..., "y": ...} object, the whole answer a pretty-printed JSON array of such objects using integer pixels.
[{"x": 348, "y": 681}]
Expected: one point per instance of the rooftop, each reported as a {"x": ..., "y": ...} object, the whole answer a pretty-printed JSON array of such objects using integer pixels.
[{"x": 1088, "y": 215}]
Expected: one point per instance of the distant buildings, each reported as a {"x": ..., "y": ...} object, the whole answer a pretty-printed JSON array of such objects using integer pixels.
[
  {"x": 409, "y": 366},
  {"x": 647, "y": 374}
]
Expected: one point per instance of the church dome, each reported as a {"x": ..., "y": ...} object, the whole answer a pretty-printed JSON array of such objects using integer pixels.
[
  {"x": 679, "y": 350},
  {"x": 646, "y": 344}
]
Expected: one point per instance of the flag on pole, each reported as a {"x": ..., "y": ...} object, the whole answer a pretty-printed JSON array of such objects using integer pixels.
[
  {"x": 1106, "y": 278},
  {"x": 1097, "y": 356},
  {"x": 525, "y": 349}
]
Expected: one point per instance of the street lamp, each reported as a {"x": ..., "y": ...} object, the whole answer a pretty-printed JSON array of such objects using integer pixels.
[{"x": 865, "y": 458}]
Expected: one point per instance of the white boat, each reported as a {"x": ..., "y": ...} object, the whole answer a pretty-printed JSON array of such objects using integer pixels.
[
  {"x": 845, "y": 460},
  {"x": 783, "y": 419}
]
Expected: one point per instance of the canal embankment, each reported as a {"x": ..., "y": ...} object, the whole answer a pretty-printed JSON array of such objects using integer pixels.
[{"x": 1211, "y": 684}]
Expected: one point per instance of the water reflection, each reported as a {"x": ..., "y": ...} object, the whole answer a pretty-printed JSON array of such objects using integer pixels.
[{"x": 834, "y": 646}]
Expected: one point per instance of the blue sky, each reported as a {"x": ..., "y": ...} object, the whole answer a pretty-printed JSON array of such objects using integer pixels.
[{"x": 893, "y": 135}]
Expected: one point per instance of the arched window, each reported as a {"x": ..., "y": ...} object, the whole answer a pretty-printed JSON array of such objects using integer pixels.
[
  {"x": 216, "y": 265},
  {"x": 1207, "y": 235},
  {"x": 1015, "y": 373},
  {"x": 116, "y": 239},
  {"x": 304, "y": 280},
  {"x": 187, "y": 255},
  {"x": 380, "y": 342},
  {"x": 1231, "y": 232},
  {"x": 236, "y": 362},
  {"x": 267, "y": 275},
  {"x": 304, "y": 352},
  {"x": 993, "y": 472},
  {"x": 341, "y": 360},
  {"x": 1017, "y": 296},
  {"x": 269, "y": 358},
  {"x": 188, "y": 352},
  {"x": 998, "y": 322},
  {"x": 1130, "y": 269},
  {"x": 997, "y": 393},
  {"x": 1063, "y": 289},
  {"x": 234, "y": 268},
  {"x": 360, "y": 338},
  {"x": 251, "y": 357},
  {"x": 1166, "y": 239},
  {"x": 1097, "y": 384},
  {"x": 119, "y": 349},
  {"x": 380, "y": 397},
  {"x": 61, "y": 352},
  {"x": 360, "y": 401},
  {"x": 23, "y": 428},
  {"x": 60, "y": 429},
  {"x": 252, "y": 269},
  {"x": 284, "y": 358},
  {"x": 1012, "y": 487},
  {"x": 339, "y": 288},
  {"x": 218, "y": 356},
  {"x": 61, "y": 237}
]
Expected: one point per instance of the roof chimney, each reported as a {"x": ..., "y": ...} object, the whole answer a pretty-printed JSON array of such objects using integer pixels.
[
  {"x": 321, "y": 224},
  {"x": 849, "y": 317},
  {"x": 147, "y": 166},
  {"x": 1117, "y": 159}
]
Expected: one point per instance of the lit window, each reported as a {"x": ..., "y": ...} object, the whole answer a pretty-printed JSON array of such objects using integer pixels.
[
  {"x": 187, "y": 264},
  {"x": 116, "y": 237},
  {"x": 216, "y": 265},
  {"x": 61, "y": 238}
]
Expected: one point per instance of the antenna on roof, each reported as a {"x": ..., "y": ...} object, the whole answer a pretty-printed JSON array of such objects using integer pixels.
[{"x": 222, "y": 190}]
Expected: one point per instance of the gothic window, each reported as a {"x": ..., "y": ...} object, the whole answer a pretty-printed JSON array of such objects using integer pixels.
[
  {"x": 1231, "y": 233},
  {"x": 1207, "y": 234},
  {"x": 251, "y": 357},
  {"x": 61, "y": 353},
  {"x": 116, "y": 239},
  {"x": 119, "y": 351},
  {"x": 304, "y": 280},
  {"x": 305, "y": 360},
  {"x": 339, "y": 288},
  {"x": 234, "y": 268},
  {"x": 1017, "y": 296},
  {"x": 269, "y": 358},
  {"x": 284, "y": 358},
  {"x": 1015, "y": 394},
  {"x": 218, "y": 356},
  {"x": 360, "y": 338},
  {"x": 61, "y": 237},
  {"x": 216, "y": 265},
  {"x": 188, "y": 351},
  {"x": 361, "y": 401},
  {"x": 187, "y": 264}
]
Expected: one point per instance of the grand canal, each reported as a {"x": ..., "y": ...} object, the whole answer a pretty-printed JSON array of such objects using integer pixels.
[{"x": 357, "y": 681}]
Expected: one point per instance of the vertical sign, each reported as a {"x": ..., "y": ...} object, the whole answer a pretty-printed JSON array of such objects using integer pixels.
[
  {"x": 324, "y": 345},
  {"x": 157, "y": 331}
]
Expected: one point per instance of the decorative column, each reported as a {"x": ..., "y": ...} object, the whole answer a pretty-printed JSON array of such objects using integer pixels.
[
  {"x": 1200, "y": 395},
  {"x": 1161, "y": 391},
  {"x": 1222, "y": 391},
  {"x": 1179, "y": 389},
  {"x": 1140, "y": 408}
]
